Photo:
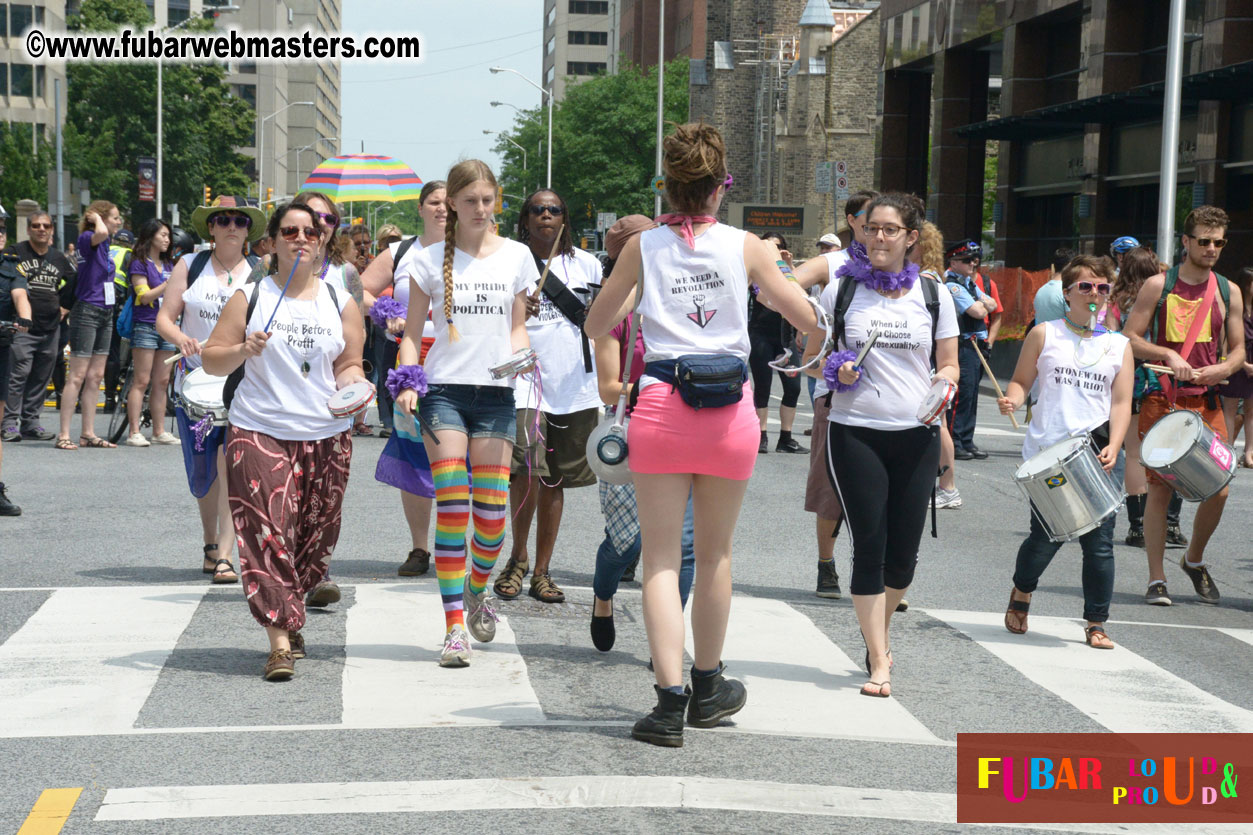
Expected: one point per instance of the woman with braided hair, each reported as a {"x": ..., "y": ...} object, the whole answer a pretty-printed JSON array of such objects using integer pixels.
[{"x": 478, "y": 284}]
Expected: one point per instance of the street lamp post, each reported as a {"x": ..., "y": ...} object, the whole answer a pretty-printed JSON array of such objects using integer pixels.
[
  {"x": 261, "y": 150},
  {"x": 307, "y": 147},
  {"x": 661, "y": 78},
  {"x": 511, "y": 142},
  {"x": 539, "y": 146},
  {"x": 1170, "y": 134},
  {"x": 547, "y": 92}
]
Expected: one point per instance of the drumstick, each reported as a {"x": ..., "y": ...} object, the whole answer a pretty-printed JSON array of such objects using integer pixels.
[
  {"x": 1164, "y": 369},
  {"x": 865, "y": 349},
  {"x": 173, "y": 359},
  {"x": 552, "y": 253},
  {"x": 995, "y": 384}
]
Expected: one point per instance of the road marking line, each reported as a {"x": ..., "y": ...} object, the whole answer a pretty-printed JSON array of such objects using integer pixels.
[
  {"x": 85, "y": 662},
  {"x": 1116, "y": 688},
  {"x": 797, "y": 679},
  {"x": 50, "y": 812},
  {"x": 1245, "y": 635},
  {"x": 390, "y": 667}
]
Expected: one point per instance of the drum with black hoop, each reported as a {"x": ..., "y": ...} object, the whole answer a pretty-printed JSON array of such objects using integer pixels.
[
  {"x": 1182, "y": 449},
  {"x": 201, "y": 396},
  {"x": 1070, "y": 492}
]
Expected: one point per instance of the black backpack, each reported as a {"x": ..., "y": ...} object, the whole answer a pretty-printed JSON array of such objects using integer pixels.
[{"x": 844, "y": 300}]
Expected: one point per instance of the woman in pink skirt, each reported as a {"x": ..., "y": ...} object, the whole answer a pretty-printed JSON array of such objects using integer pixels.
[{"x": 693, "y": 427}]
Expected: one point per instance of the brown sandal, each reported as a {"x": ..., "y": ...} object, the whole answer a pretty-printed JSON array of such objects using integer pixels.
[
  {"x": 65, "y": 443},
  {"x": 1092, "y": 637},
  {"x": 508, "y": 584},
  {"x": 95, "y": 442},
  {"x": 545, "y": 590},
  {"x": 1015, "y": 607}
]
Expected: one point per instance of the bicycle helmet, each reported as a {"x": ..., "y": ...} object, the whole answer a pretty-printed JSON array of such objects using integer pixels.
[
  {"x": 181, "y": 242},
  {"x": 1123, "y": 244}
]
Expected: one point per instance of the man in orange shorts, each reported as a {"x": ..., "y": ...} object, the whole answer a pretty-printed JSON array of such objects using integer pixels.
[{"x": 1159, "y": 326}]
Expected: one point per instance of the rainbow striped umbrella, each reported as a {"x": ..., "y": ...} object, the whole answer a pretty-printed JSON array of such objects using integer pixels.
[{"x": 365, "y": 178}]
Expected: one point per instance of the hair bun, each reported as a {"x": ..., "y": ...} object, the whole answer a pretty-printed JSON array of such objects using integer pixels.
[{"x": 694, "y": 152}]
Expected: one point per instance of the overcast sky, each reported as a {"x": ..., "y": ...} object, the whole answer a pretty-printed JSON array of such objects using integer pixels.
[{"x": 433, "y": 112}]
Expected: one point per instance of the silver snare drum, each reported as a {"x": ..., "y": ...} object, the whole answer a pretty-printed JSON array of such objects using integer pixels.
[
  {"x": 1069, "y": 491},
  {"x": 201, "y": 395},
  {"x": 1188, "y": 455}
]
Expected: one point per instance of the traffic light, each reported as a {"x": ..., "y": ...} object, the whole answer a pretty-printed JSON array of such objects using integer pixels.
[
  {"x": 208, "y": 195},
  {"x": 590, "y": 213},
  {"x": 269, "y": 194},
  {"x": 500, "y": 200}
]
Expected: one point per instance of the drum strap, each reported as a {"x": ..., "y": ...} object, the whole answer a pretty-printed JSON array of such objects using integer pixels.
[{"x": 1199, "y": 316}]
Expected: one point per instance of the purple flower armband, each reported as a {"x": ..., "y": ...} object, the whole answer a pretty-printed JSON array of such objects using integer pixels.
[
  {"x": 387, "y": 308},
  {"x": 831, "y": 371},
  {"x": 406, "y": 377}
]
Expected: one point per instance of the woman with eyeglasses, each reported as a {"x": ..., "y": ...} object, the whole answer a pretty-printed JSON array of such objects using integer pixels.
[
  {"x": 881, "y": 458},
  {"x": 476, "y": 283},
  {"x": 298, "y": 340},
  {"x": 403, "y": 463},
  {"x": 200, "y": 285},
  {"x": 695, "y": 275},
  {"x": 1085, "y": 377},
  {"x": 149, "y": 277}
]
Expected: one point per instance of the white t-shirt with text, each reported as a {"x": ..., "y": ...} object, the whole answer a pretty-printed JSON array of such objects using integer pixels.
[{"x": 567, "y": 387}]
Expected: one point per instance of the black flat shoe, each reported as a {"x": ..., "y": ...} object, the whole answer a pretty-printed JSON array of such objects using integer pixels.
[{"x": 603, "y": 632}]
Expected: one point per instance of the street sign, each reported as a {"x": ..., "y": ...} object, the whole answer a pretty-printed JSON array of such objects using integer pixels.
[
  {"x": 841, "y": 167},
  {"x": 658, "y": 185},
  {"x": 604, "y": 220},
  {"x": 841, "y": 188},
  {"x": 822, "y": 178}
]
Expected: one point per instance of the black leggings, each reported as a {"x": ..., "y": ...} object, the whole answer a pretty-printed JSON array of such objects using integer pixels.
[
  {"x": 765, "y": 347},
  {"x": 883, "y": 479}
]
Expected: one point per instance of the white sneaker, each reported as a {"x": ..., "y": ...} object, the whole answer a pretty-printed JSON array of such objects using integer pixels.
[
  {"x": 137, "y": 440},
  {"x": 480, "y": 614},
  {"x": 456, "y": 651},
  {"x": 165, "y": 439},
  {"x": 948, "y": 499}
]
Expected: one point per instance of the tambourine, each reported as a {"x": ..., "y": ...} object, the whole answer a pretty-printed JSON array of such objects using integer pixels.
[
  {"x": 521, "y": 361},
  {"x": 780, "y": 363},
  {"x": 352, "y": 400},
  {"x": 937, "y": 401}
]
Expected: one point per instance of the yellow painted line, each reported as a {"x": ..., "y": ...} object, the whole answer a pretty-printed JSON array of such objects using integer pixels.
[{"x": 50, "y": 812}]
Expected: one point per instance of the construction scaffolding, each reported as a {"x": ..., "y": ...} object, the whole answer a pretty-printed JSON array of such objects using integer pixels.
[{"x": 773, "y": 54}]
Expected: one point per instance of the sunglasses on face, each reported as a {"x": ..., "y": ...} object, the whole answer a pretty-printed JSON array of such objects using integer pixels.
[
  {"x": 964, "y": 260},
  {"x": 41, "y": 226},
  {"x": 224, "y": 221},
  {"x": 329, "y": 218},
  {"x": 1101, "y": 288},
  {"x": 537, "y": 210},
  {"x": 291, "y": 233},
  {"x": 1218, "y": 243}
]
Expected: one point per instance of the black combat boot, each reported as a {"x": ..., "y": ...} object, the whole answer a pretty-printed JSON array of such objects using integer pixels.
[
  {"x": 714, "y": 698},
  {"x": 664, "y": 726}
]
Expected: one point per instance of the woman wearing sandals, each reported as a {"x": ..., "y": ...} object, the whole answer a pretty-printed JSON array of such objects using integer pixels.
[
  {"x": 1086, "y": 380},
  {"x": 695, "y": 273},
  {"x": 190, "y": 307},
  {"x": 882, "y": 460},
  {"x": 298, "y": 341},
  {"x": 477, "y": 283},
  {"x": 149, "y": 277},
  {"x": 403, "y": 463},
  {"x": 90, "y": 323}
]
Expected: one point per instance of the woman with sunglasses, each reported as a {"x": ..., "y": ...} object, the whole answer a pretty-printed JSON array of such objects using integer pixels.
[
  {"x": 1085, "y": 377},
  {"x": 403, "y": 463},
  {"x": 298, "y": 341},
  {"x": 149, "y": 277},
  {"x": 881, "y": 459},
  {"x": 477, "y": 284},
  {"x": 200, "y": 285},
  {"x": 695, "y": 273}
]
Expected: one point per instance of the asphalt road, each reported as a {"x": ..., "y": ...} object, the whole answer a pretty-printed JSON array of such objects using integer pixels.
[{"x": 123, "y": 674}]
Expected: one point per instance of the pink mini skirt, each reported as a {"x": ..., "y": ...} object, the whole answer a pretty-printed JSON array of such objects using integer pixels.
[{"x": 666, "y": 435}]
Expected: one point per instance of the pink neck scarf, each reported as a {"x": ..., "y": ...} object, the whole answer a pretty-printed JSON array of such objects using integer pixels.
[{"x": 684, "y": 222}]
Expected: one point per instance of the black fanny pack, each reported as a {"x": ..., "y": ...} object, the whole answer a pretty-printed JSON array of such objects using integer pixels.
[{"x": 704, "y": 381}]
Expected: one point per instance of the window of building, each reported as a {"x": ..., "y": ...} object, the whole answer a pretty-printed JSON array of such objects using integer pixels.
[
  {"x": 683, "y": 34},
  {"x": 589, "y": 6},
  {"x": 4, "y": 79},
  {"x": 724, "y": 55},
  {"x": 550, "y": 46},
  {"x": 177, "y": 13},
  {"x": 548, "y": 76},
  {"x": 21, "y": 80},
  {"x": 696, "y": 72},
  {"x": 587, "y": 38},
  {"x": 39, "y": 15},
  {"x": 585, "y": 67},
  {"x": 21, "y": 16},
  {"x": 552, "y": 15},
  {"x": 248, "y": 68},
  {"x": 39, "y": 81},
  {"x": 247, "y": 92}
]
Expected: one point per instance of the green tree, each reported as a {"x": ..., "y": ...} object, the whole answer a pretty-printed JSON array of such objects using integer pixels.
[
  {"x": 604, "y": 144},
  {"x": 22, "y": 170},
  {"x": 111, "y": 121}
]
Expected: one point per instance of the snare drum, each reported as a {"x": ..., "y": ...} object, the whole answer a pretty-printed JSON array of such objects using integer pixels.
[
  {"x": 352, "y": 400},
  {"x": 1191, "y": 457},
  {"x": 937, "y": 401},
  {"x": 201, "y": 396},
  {"x": 1069, "y": 490}
]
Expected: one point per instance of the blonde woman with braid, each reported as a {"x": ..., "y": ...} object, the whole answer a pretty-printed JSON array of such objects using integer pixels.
[{"x": 478, "y": 284}]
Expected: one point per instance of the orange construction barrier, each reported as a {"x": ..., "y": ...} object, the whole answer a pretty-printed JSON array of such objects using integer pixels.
[{"x": 1017, "y": 289}]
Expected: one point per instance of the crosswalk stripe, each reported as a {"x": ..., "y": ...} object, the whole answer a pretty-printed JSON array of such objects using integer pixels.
[
  {"x": 85, "y": 662},
  {"x": 392, "y": 678},
  {"x": 800, "y": 683},
  {"x": 1116, "y": 688},
  {"x": 1245, "y": 635}
]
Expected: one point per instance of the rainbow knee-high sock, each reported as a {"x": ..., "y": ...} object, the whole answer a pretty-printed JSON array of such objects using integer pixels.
[
  {"x": 452, "y": 514},
  {"x": 491, "y": 494}
]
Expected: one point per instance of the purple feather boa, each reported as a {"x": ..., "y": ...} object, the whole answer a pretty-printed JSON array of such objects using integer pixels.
[
  {"x": 831, "y": 371},
  {"x": 387, "y": 308},
  {"x": 406, "y": 377},
  {"x": 858, "y": 268}
]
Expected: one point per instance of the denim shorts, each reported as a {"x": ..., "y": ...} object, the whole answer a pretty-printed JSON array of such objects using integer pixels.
[
  {"x": 91, "y": 329},
  {"x": 478, "y": 411},
  {"x": 144, "y": 335}
]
